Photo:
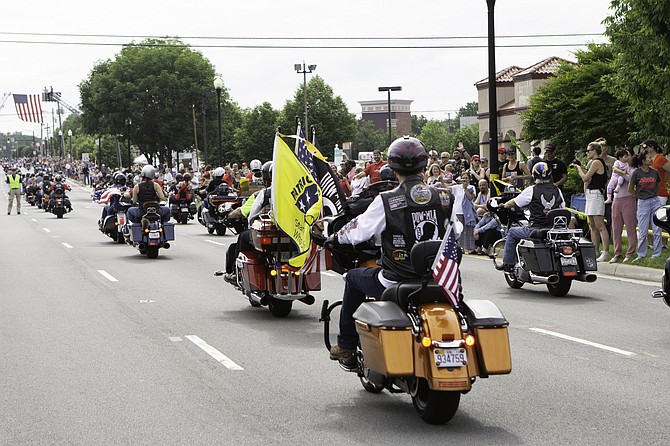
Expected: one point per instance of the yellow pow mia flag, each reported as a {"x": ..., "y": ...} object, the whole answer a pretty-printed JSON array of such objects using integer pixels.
[{"x": 296, "y": 199}]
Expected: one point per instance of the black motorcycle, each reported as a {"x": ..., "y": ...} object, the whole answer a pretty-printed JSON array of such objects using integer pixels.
[
  {"x": 183, "y": 210},
  {"x": 221, "y": 202},
  {"x": 554, "y": 256},
  {"x": 662, "y": 220},
  {"x": 151, "y": 234},
  {"x": 113, "y": 223},
  {"x": 59, "y": 203}
]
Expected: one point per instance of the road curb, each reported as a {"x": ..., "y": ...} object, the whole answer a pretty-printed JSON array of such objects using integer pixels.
[{"x": 631, "y": 271}]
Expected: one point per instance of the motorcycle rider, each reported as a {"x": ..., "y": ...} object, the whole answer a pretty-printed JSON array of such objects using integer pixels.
[
  {"x": 145, "y": 192},
  {"x": 59, "y": 187},
  {"x": 255, "y": 176},
  {"x": 217, "y": 180},
  {"x": 120, "y": 182},
  {"x": 255, "y": 205},
  {"x": 412, "y": 213},
  {"x": 539, "y": 198}
]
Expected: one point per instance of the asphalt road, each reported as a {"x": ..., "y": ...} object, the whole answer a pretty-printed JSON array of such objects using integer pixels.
[{"x": 99, "y": 345}]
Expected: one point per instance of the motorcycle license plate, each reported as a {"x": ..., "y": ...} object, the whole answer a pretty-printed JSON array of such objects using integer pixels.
[
  {"x": 184, "y": 209},
  {"x": 568, "y": 261},
  {"x": 154, "y": 236},
  {"x": 450, "y": 357}
]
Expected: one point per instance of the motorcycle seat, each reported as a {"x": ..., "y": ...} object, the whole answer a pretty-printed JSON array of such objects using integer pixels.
[
  {"x": 404, "y": 292},
  {"x": 539, "y": 234}
]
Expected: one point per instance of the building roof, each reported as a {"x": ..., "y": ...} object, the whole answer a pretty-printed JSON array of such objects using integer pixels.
[
  {"x": 505, "y": 75},
  {"x": 546, "y": 67}
]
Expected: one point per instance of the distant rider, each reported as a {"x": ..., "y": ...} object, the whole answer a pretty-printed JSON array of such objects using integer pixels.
[
  {"x": 120, "y": 182},
  {"x": 147, "y": 191},
  {"x": 58, "y": 188}
]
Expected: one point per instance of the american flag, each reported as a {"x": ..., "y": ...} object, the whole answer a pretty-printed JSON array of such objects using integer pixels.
[
  {"x": 304, "y": 155},
  {"x": 445, "y": 268},
  {"x": 28, "y": 107}
]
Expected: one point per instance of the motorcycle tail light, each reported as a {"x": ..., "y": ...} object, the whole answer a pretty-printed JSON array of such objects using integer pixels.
[
  {"x": 160, "y": 229},
  {"x": 273, "y": 272},
  {"x": 146, "y": 230},
  {"x": 567, "y": 250},
  {"x": 265, "y": 240},
  {"x": 426, "y": 342},
  {"x": 469, "y": 340}
]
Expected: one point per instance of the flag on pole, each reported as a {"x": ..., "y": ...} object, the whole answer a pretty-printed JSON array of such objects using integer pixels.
[
  {"x": 28, "y": 107},
  {"x": 333, "y": 195},
  {"x": 445, "y": 267},
  {"x": 304, "y": 156},
  {"x": 296, "y": 199}
]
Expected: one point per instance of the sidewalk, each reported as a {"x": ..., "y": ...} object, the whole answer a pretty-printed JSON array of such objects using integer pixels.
[{"x": 631, "y": 272}]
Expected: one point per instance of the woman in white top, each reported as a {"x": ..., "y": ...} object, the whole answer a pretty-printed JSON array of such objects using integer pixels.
[{"x": 465, "y": 191}]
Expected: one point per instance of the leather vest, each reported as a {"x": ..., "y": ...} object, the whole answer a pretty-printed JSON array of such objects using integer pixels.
[
  {"x": 146, "y": 193},
  {"x": 413, "y": 213},
  {"x": 546, "y": 197}
]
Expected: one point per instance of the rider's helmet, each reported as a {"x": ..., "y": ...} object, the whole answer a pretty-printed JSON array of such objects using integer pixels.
[
  {"x": 187, "y": 176},
  {"x": 148, "y": 171},
  {"x": 119, "y": 179},
  {"x": 255, "y": 165},
  {"x": 541, "y": 171},
  {"x": 267, "y": 173},
  {"x": 386, "y": 174},
  {"x": 179, "y": 178},
  {"x": 407, "y": 155},
  {"x": 218, "y": 172},
  {"x": 58, "y": 178}
]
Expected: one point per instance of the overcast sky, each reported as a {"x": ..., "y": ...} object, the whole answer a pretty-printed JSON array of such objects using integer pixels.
[{"x": 438, "y": 80}]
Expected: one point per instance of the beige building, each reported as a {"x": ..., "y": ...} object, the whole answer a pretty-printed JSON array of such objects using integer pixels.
[{"x": 514, "y": 87}]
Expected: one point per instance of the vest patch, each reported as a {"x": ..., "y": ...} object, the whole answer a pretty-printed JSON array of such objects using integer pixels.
[
  {"x": 397, "y": 202},
  {"x": 420, "y": 193}
]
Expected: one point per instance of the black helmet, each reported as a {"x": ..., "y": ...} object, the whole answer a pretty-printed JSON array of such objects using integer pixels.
[
  {"x": 58, "y": 178},
  {"x": 179, "y": 177},
  {"x": 541, "y": 171},
  {"x": 386, "y": 174},
  {"x": 407, "y": 155},
  {"x": 266, "y": 171},
  {"x": 187, "y": 176},
  {"x": 120, "y": 179}
]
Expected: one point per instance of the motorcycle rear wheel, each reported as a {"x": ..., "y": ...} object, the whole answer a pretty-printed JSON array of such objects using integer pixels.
[
  {"x": 120, "y": 239},
  {"x": 220, "y": 230},
  {"x": 434, "y": 406},
  {"x": 210, "y": 230},
  {"x": 152, "y": 252},
  {"x": 561, "y": 288},
  {"x": 280, "y": 308}
]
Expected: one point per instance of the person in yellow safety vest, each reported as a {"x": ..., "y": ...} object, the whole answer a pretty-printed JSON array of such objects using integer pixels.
[{"x": 14, "y": 181}]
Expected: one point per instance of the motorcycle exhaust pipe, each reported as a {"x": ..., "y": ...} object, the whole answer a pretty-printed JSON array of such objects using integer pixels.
[
  {"x": 141, "y": 246},
  {"x": 586, "y": 277},
  {"x": 551, "y": 280},
  {"x": 166, "y": 245}
]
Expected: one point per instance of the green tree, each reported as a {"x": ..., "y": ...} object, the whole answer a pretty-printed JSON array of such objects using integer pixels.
[
  {"x": 468, "y": 136},
  {"x": 434, "y": 135},
  {"x": 368, "y": 139},
  {"x": 255, "y": 136},
  {"x": 155, "y": 83},
  {"x": 327, "y": 113},
  {"x": 469, "y": 109},
  {"x": 417, "y": 124},
  {"x": 576, "y": 107},
  {"x": 639, "y": 31}
]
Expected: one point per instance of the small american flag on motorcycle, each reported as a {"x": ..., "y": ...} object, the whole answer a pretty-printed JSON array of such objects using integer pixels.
[{"x": 445, "y": 267}]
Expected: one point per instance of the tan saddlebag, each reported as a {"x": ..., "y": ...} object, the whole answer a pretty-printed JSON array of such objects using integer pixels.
[{"x": 492, "y": 338}]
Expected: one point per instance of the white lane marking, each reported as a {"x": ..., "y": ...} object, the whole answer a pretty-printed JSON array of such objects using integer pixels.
[
  {"x": 108, "y": 276},
  {"x": 583, "y": 341},
  {"x": 214, "y": 353},
  {"x": 67, "y": 245},
  {"x": 175, "y": 339},
  {"x": 46, "y": 229},
  {"x": 216, "y": 243},
  {"x": 34, "y": 220}
]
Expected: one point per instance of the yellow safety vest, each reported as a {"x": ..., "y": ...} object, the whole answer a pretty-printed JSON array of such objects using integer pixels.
[{"x": 15, "y": 182}]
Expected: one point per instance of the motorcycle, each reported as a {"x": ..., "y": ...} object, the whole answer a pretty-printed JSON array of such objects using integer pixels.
[
  {"x": 31, "y": 195},
  {"x": 113, "y": 223},
  {"x": 662, "y": 220},
  {"x": 414, "y": 341},
  {"x": 264, "y": 275},
  {"x": 183, "y": 210},
  {"x": 43, "y": 196},
  {"x": 150, "y": 235},
  {"x": 59, "y": 204},
  {"x": 216, "y": 216},
  {"x": 554, "y": 256}
]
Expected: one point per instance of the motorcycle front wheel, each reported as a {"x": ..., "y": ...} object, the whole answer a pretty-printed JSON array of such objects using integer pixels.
[
  {"x": 561, "y": 288},
  {"x": 434, "y": 406},
  {"x": 512, "y": 281}
]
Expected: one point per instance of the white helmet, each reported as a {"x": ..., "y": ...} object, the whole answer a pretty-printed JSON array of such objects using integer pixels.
[
  {"x": 148, "y": 171},
  {"x": 255, "y": 165},
  {"x": 218, "y": 172}
]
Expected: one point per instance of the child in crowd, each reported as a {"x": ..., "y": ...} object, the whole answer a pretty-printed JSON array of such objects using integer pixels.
[
  {"x": 449, "y": 174},
  {"x": 620, "y": 169}
]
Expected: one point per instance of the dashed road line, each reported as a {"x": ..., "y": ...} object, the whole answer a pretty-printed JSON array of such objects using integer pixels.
[
  {"x": 108, "y": 276},
  {"x": 67, "y": 245},
  {"x": 46, "y": 229},
  {"x": 216, "y": 243},
  {"x": 214, "y": 353},
  {"x": 583, "y": 341}
]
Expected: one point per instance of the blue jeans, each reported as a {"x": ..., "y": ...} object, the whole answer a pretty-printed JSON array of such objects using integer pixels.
[
  {"x": 514, "y": 236},
  {"x": 135, "y": 214},
  {"x": 645, "y": 212},
  {"x": 359, "y": 282}
]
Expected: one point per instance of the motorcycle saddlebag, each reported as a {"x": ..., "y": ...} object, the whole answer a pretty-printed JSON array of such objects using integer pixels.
[
  {"x": 385, "y": 333},
  {"x": 587, "y": 260},
  {"x": 490, "y": 330},
  {"x": 537, "y": 256},
  {"x": 136, "y": 232},
  {"x": 168, "y": 230}
]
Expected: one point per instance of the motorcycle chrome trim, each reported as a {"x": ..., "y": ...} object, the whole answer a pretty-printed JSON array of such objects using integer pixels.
[
  {"x": 551, "y": 280},
  {"x": 458, "y": 343}
]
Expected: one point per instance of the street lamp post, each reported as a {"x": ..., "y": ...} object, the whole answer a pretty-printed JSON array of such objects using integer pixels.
[
  {"x": 389, "y": 90},
  {"x": 69, "y": 135},
  {"x": 62, "y": 143},
  {"x": 128, "y": 124},
  {"x": 301, "y": 69},
  {"x": 493, "y": 100},
  {"x": 218, "y": 85}
]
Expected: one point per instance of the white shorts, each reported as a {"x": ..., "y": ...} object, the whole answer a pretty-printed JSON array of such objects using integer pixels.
[{"x": 595, "y": 202}]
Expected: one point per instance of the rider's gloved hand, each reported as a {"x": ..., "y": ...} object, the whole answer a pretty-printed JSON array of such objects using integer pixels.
[{"x": 330, "y": 242}]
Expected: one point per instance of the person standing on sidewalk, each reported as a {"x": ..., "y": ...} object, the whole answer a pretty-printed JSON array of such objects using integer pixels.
[
  {"x": 14, "y": 181},
  {"x": 644, "y": 182},
  {"x": 624, "y": 213}
]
